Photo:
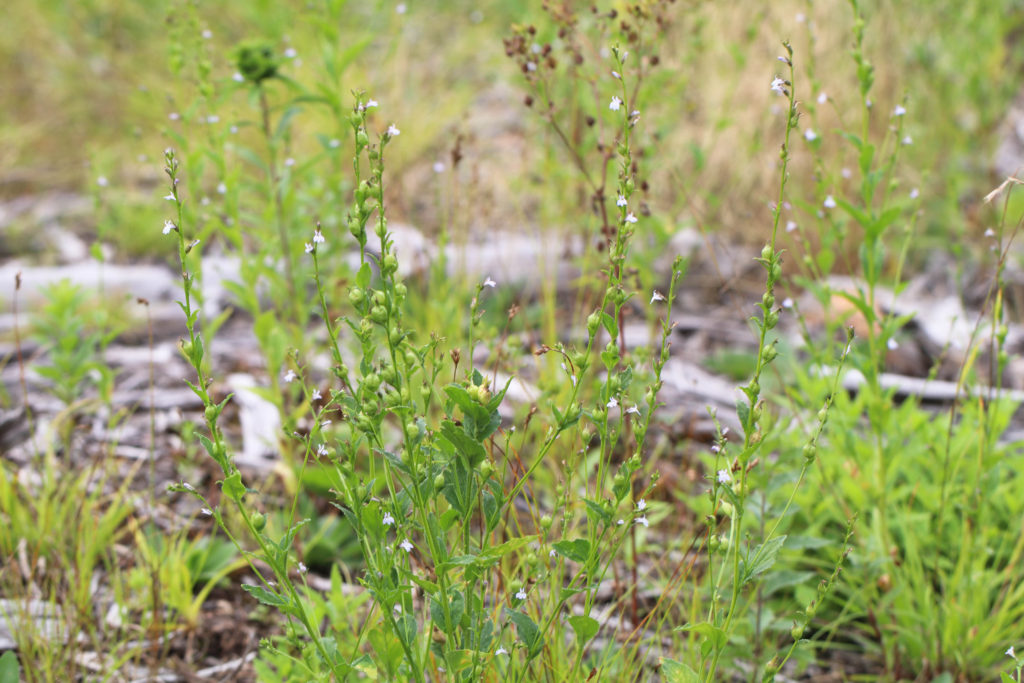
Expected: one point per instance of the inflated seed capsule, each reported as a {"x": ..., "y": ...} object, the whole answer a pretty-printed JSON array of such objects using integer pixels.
[
  {"x": 797, "y": 632},
  {"x": 356, "y": 296},
  {"x": 389, "y": 264},
  {"x": 809, "y": 451},
  {"x": 593, "y": 322},
  {"x": 439, "y": 482},
  {"x": 546, "y": 522},
  {"x": 259, "y": 521},
  {"x": 372, "y": 381},
  {"x": 486, "y": 469},
  {"x": 401, "y": 290},
  {"x": 379, "y": 298},
  {"x": 211, "y": 413},
  {"x": 378, "y": 314},
  {"x": 767, "y": 252}
]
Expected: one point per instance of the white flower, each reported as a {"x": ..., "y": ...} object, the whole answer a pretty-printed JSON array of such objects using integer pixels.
[
  {"x": 1011, "y": 653},
  {"x": 630, "y": 218},
  {"x": 102, "y": 181},
  {"x": 290, "y": 53},
  {"x": 387, "y": 519},
  {"x": 846, "y": 173},
  {"x": 914, "y": 193},
  {"x": 822, "y": 98},
  {"x": 641, "y": 505},
  {"x": 207, "y": 33},
  {"x": 899, "y": 110},
  {"x": 990, "y": 233},
  {"x": 438, "y": 167},
  {"x": 619, "y": 523},
  {"x": 316, "y": 395},
  {"x": 723, "y": 477},
  {"x": 615, "y": 74},
  {"x": 303, "y": 568},
  {"x": 790, "y": 226},
  {"x": 168, "y": 226},
  {"x": 405, "y": 545},
  {"x": 521, "y": 594},
  {"x": 309, "y": 248},
  {"x": 907, "y": 140},
  {"x": 289, "y": 162},
  {"x": 716, "y": 448},
  {"x": 318, "y": 237},
  {"x": 213, "y": 118},
  {"x": 531, "y": 66},
  {"x": 393, "y": 130},
  {"x": 635, "y": 410},
  {"x": 642, "y": 520},
  {"x": 779, "y": 85},
  {"x": 501, "y": 651},
  {"x": 170, "y": 197},
  {"x": 369, "y": 104},
  {"x": 829, "y": 202},
  {"x": 400, "y": 8},
  {"x": 552, "y": 553},
  {"x": 615, "y": 103},
  {"x": 810, "y": 135},
  {"x": 207, "y": 511},
  {"x": 787, "y": 302},
  {"x": 657, "y": 296},
  {"x": 174, "y": 116},
  {"x": 613, "y": 403},
  {"x": 489, "y": 283},
  {"x": 892, "y": 344},
  {"x": 222, "y": 188},
  {"x": 289, "y": 376},
  {"x": 188, "y": 487},
  {"x": 321, "y": 450},
  {"x": 238, "y": 78},
  {"x": 621, "y": 201}
]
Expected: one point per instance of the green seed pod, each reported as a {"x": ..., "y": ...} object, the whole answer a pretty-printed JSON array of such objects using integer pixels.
[
  {"x": 372, "y": 381},
  {"x": 362, "y": 140},
  {"x": 439, "y": 482},
  {"x": 389, "y": 264},
  {"x": 767, "y": 253},
  {"x": 211, "y": 413},
  {"x": 356, "y": 296},
  {"x": 378, "y": 314},
  {"x": 379, "y": 298},
  {"x": 767, "y": 300},
  {"x": 546, "y": 522},
  {"x": 486, "y": 469},
  {"x": 797, "y": 632},
  {"x": 593, "y": 323},
  {"x": 410, "y": 359},
  {"x": 809, "y": 451},
  {"x": 401, "y": 290},
  {"x": 259, "y": 521}
]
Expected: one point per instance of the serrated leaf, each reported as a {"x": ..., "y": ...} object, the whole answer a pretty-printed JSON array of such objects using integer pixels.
[
  {"x": 265, "y": 596},
  {"x": 577, "y": 550},
  {"x": 677, "y": 672},
  {"x": 584, "y": 626},
  {"x": 528, "y": 632},
  {"x": 762, "y": 558}
]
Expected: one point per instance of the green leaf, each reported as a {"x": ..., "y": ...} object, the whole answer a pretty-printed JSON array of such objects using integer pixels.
[
  {"x": 406, "y": 627},
  {"x": 784, "y": 579},
  {"x": 762, "y": 558},
  {"x": 677, "y": 672},
  {"x": 577, "y": 550},
  {"x": 9, "y": 669},
  {"x": 233, "y": 487},
  {"x": 266, "y": 597},
  {"x": 709, "y": 633},
  {"x": 528, "y": 632},
  {"x": 597, "y": 512},
  {"x": 363, "y": 277},
  {"x": 584, "y": 626},
  {"x": 610, "y": 325},
  {"x": 463, "y": 443},
  {"x": 1003, "y": 677},
  {"x": 456, "y": 607}
]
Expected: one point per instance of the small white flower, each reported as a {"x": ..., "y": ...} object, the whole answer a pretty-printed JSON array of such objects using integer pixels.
[
  {"x": 188, "y": 487},
  {"x": 387, "y": 519},
  {"x": 829, "y": 202},
  {"x": 207, "y": 33},
  {"x": 790, "y": 226},
  {"x": 552, "y": 553},
  {"x": 238, "y": 78},
  {"x": 170, "y": 197},
  {"x": 489, "y": 283},
  {"x": 613, "y": 403},
  {"x": 303, "y": 568},
  {"x": 318, "y": 237},
  {"x": 315, "y": 396},
  {"x": 634, "y": 410},
  {"x": 723, "y": 477},
  {"x": 615, "y": 74},
  {"x": 289, "y": 376},
  {"x": 438, "y": 167},
  {"x": 892, "y": 344},
  {"x": 168, "y": 226},
  {"x": 323, "y": 425},
  {"x": 174, "y": 116},
  {"x": 914, "y": 193},
  {"x": 822, "y": 98},
  {"x": 370, "y": 104},
  {"x": 615, "y": 104},
  {"x": 657, "y": 296},
  {"x": 899, "y": 110},
  {"x": 102, "y": 181},
  {"x": 801, "y": 17},
  {"x": 405, "y": 545},
  {"x": 233, "y": 129},
  {"x": 778, "y": 86},
  {"x": 521, "y": 594},
  {"x": 630, "y": 218},
  {"x": 810, "y": 135},
  {"x": 501, "y": 651},
  {"x": 222, "y": 188},
  {"x": 641, "y": 505},
  {"x": 846, "y": 173},
  {"x": 213, "y": 118},
  {"x": 531, "y": 66},
  {"x": 393, "y": 131},
  {"x": 309, "y": 248},
  {"x": 207, "y": 511},
  {"x": 400, "y": 8},
  {"x": 289, "y": 162},
  {"x": 990, "y": 233},
  {"x": 621, "y": 201},
  {"x": 716, "y": 448},
  {"x": 335, "y": 143},
  {"x": 321, "y": 450},
  {"x": 787, "y": 303},
  {"x": 1011, "y": 653},
  {"x": 642, "y": 520},
  {"x": 907, "y": 140}
]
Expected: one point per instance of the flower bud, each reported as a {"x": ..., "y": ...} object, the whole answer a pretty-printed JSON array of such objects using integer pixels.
[{"x": 593, "y": 323}]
